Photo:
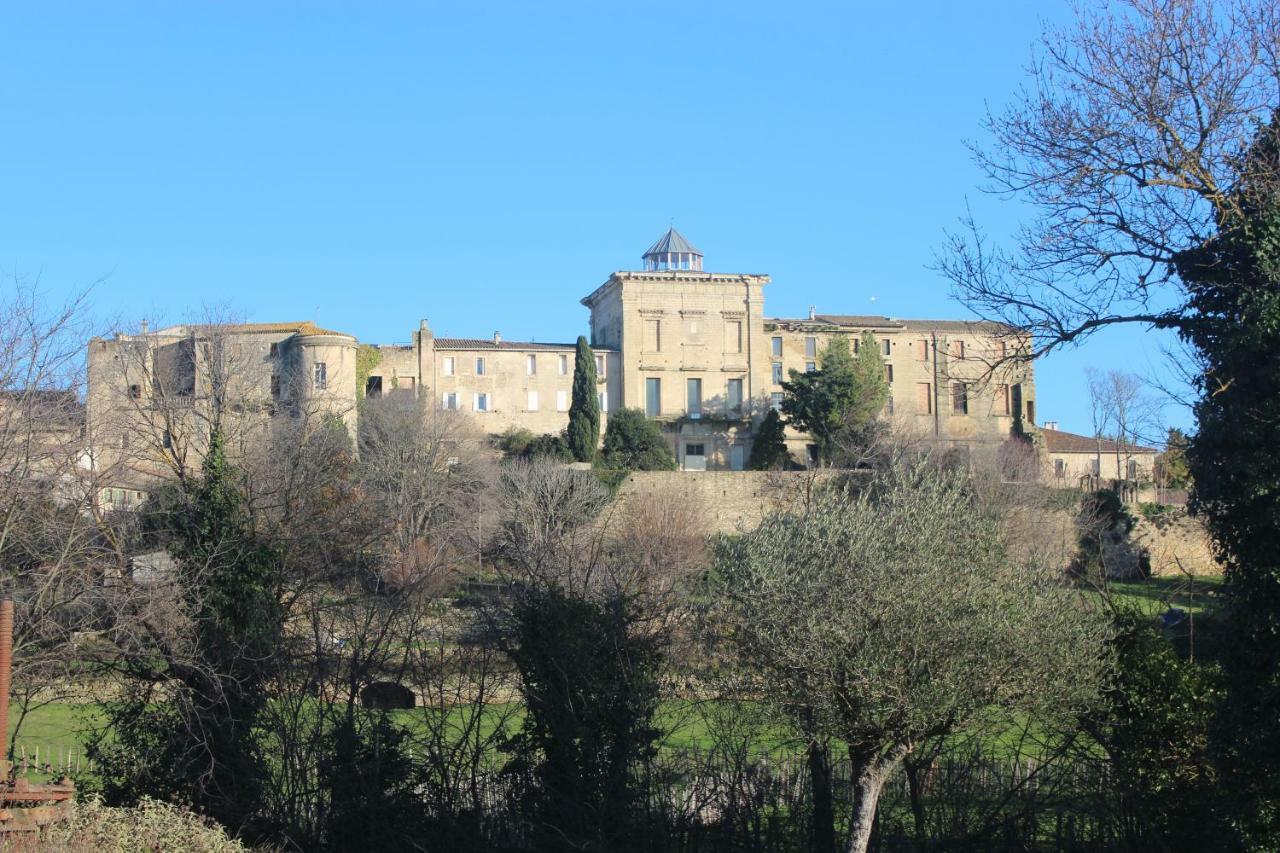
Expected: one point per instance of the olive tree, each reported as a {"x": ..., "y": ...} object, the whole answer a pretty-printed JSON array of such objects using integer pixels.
[{"x": 891, "y": 613}]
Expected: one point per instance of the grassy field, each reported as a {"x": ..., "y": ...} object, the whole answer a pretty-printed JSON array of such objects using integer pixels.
[
  {"x": 59, "y": 729},
  {"x": 1201, "y": 594}
]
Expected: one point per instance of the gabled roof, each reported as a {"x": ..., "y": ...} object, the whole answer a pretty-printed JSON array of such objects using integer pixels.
[
  {"x": 672, "y": 241},
  {"x": 1057, "y": 441},
  {"x": 490, "y": 344},
  {"x": 971, "y": 326},
  {"x": 302, "y": 328},
  {"x": 856, "y": 320}
]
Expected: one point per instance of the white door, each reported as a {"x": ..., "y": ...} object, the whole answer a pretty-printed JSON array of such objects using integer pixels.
[{"x": 737, "y": 457}]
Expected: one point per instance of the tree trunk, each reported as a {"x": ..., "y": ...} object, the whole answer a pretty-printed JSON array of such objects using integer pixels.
[
  {"x": 824, "y": 819},
  {"x": 915, "y": 789},
  {"x": 871, "y": 768}
]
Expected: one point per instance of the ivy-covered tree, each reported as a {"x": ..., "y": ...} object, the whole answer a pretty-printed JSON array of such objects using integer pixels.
[
  {"x": 769, "y": 450},
  {"x": 838, "y": 403},
  {"x": 632, "y": 442},
  {"x": 184, "y": 728},
  {"x": 583, "y": 432},
  {"x": 589, "y": 677},
  {"x": 1153, "y": 727},
  {"x": 1234, "y": 285}
]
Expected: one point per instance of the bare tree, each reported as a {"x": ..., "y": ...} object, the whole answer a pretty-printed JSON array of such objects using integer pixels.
[
  {"x": 1125, "y": 141},
  {"x": 52, "y": 553},
  {"x": 1123, "y": 412},
  {"x": 429, "y": 473}
]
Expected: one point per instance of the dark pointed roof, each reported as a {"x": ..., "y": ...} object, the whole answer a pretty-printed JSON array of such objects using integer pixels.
[{"x": 672, "y": 241}]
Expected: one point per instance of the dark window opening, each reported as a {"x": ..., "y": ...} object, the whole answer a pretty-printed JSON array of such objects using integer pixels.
[{"x": 373, "y": 387}]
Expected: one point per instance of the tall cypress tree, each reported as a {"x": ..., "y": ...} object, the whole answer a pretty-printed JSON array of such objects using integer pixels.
[
  {"x": 583, "y": 432},
  {"x": 1234, "y": 285}
]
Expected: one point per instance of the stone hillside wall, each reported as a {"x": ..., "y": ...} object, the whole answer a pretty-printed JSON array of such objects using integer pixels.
[
  {"x": 1178, "y": 540},
  {"x": 732, "y": 501}
]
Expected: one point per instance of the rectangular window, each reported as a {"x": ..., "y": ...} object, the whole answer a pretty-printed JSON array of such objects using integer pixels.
[
  {"x": 653, "y": 397},
  {"x": 924, "y": 398},
  {"x": 1031, "y": 411},
  {"x": 653, "y": 336},
  {"x": 480, "y": 366},
  {"x": 922, "y": 350},
  {"x": 694, "y": 404},
  {"x": 531, "y": 365},
  {"x": 775, "y": 401},
  {"x": 482, "y": 403},
  {"x": 602, "y": 398},
  {"x": 446, "y": 368},
  {"x": 564, "y": 365},
  {"x": 531, "y": 403},
  {"x": 735, "y": 395},
  {"x": 1095, "y": 467},
  {"x": 599, "y": 367},
  {"x": 810, "y": 366},
  {"x": 733, "y": 336},
  {"x": 810, "y": 347},
  {"x": 449, "y": 401},
  {"x": 1001, "y": 350},
  {"x": 695, "y": 450},
  {"x": 1132, "y": 468},
  {"x": 777, "y": 373},
  {"x": 166, "y": 440},
  {"x": 1002, "y": 400},
  {"x": 321, "y": 375},
  {"x": 957, "y": 349},
  {"x": 857, "y": 345},
  {"x": 562, "y": 401},
  {"x": 959, "y": 398},
  {"x": 1059, "y": 468},
  {"x": 886, "y": 346},
  {"x": 888, "y": 374},
  {"x": 777, "y": 347}
]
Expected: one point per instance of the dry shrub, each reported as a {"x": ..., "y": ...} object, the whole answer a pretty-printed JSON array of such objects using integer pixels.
[{"x": 149, "y": 826}]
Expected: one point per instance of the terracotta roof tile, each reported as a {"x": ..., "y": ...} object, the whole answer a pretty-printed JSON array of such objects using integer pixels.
[
  {"x": 490, "y": 344},
  {"x": 1057, "y": 441}
]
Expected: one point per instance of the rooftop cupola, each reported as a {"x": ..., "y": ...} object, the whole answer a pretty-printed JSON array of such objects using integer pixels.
[{"x": 672, "y": 252}]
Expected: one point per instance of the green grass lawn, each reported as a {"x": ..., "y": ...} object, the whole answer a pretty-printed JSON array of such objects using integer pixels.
[
  {"x": 1201, "y": 594},
  {"x": 59, "y": 728}
]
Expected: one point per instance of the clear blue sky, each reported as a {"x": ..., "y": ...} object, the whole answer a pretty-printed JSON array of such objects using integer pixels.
[{"x": 485, "y": 165}]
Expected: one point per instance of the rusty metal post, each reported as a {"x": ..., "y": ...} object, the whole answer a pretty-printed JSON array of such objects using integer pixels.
[{"x": 6, "y": 672}]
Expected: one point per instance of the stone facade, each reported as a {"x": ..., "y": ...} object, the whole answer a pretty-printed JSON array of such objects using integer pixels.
[
  {"x": 693, "y": 349},
  {"x": 948, "y": 381},
  {"x": 1080, "y": 460},
  {"x": 505, "y": 384},
  {"x": 153, "y": 396}
]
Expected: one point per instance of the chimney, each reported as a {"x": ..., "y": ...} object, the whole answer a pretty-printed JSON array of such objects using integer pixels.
[
  {"x": 1053, "y": 425},
  {"x": 497, "y": 337},
  {"x": 813, "y": 312},
  {"x": 422, "y": 324},
  {"x": 144, "y": 327}
]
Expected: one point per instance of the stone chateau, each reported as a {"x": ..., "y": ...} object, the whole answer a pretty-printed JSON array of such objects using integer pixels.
[{"x": 694, "y": 349}]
